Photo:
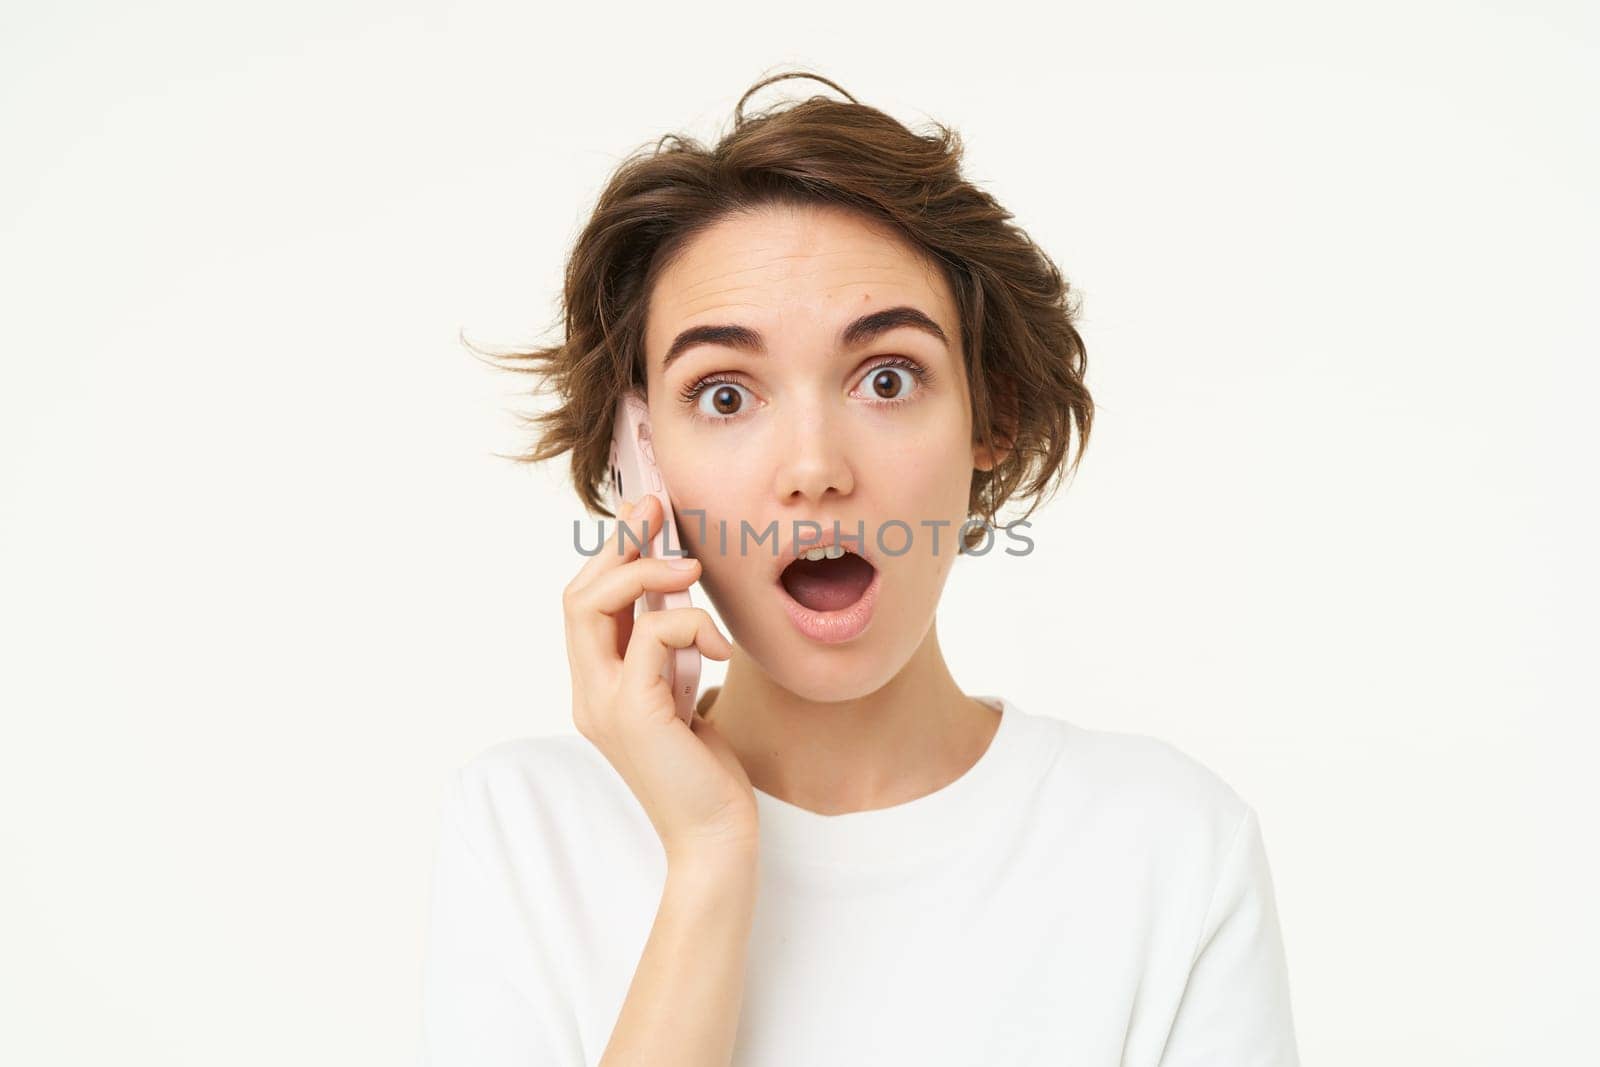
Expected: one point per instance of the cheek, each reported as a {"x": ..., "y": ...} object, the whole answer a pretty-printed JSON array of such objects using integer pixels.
[
  {"x": 710, "y": 497},
  {"x": 934, "y": 479},
  {"x": 936, "y": 487}
]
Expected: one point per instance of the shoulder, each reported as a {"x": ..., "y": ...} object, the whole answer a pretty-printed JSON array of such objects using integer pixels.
[
  {"x": 528, "y": 792},
  {"x": 1144, "y": 785},
  {"x": 1150, "y": 770},
  {"x": 1152, "y": 819},
  {"x": 518, "y": 765}
]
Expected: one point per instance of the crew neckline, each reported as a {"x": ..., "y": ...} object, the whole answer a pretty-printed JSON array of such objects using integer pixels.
[{"x": 858, "y": 848}]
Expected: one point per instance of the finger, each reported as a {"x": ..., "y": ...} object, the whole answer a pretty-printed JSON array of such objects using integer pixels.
[
  {"x": 615, "y": 551},
  {"x": 641, "y": 520},
  {"x": 636, "y": 519},
  {"x": 622, "y": 621},
  {"x": 601, "y": 622},
  {"x": 658, "y": 634}
]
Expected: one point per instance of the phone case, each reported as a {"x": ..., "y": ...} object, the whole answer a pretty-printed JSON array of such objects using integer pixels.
[{"x": 633, "y": 472}]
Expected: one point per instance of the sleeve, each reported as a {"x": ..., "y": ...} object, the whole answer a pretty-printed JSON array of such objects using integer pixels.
[
  {"x": 474, "y": 1012},
  {"x": 1235, "y": 1007}
]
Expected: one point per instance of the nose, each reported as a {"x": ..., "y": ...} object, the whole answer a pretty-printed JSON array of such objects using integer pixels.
[{"x": 815, "y": 456}]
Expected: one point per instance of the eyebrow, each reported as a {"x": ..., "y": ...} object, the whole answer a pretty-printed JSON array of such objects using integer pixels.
[{"x": 862, "y": 331}]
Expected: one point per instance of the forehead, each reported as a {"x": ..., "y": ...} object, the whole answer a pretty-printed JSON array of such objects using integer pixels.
[{"x": 815, "y": 264}]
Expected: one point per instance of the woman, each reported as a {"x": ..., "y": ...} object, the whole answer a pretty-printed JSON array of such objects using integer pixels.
[{"x": 846, "y": 858}]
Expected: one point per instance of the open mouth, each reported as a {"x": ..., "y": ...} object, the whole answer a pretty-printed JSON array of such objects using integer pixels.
[
  {"x": 830, "y": 600},
  {"x": 828, "y": 584}
]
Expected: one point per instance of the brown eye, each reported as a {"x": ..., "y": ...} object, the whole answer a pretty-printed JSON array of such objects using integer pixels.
[
  {"x": 725, "y": 400},
  {"x": 886, "y": 382}
]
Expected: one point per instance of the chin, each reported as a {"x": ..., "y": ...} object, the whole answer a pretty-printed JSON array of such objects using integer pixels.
[{"x": 832, "y": 673}]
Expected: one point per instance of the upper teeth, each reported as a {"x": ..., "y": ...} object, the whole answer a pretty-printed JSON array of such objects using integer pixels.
[{"x": 814, "y": 554}]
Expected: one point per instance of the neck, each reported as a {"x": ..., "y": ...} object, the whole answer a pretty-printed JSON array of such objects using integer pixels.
[{"x": 912, "y": 736}]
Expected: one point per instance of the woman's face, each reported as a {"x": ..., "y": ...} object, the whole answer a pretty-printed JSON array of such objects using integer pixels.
[{"x": 804, "y": 423}]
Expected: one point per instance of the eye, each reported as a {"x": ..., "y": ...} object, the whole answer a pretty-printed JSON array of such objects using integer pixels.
[
  {"x": 715, "y": 399},
  {"x": 896, "y": 380}
]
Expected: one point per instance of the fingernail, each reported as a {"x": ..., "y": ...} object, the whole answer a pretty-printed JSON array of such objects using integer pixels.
[{"x": 685, "y": 563}]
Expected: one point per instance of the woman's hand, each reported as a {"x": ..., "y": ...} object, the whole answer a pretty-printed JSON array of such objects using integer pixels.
[{"x": 689, "y": 781}]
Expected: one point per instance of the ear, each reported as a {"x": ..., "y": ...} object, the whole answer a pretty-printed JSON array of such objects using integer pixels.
[{"x": 985, "y": 458}]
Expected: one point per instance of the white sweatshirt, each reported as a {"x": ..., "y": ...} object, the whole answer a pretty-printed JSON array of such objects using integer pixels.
[{"x": 1078, "y": 896}]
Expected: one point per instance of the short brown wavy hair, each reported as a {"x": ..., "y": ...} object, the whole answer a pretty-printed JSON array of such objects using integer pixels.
[{"x": 1025, "y": 360}]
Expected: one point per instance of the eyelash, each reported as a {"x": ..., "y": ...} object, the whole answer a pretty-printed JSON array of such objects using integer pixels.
[{"x": 690, "y": 394}]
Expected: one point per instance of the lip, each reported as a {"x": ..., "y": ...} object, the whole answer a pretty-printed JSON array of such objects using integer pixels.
[{"x": 833, "y": 627}]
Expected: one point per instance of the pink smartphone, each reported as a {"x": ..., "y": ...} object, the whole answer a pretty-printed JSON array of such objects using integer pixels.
[{"x": 633, "y": 472}]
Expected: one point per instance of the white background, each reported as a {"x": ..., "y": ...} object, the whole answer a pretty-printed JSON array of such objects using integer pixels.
[{"x": 266, "y": 584}]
